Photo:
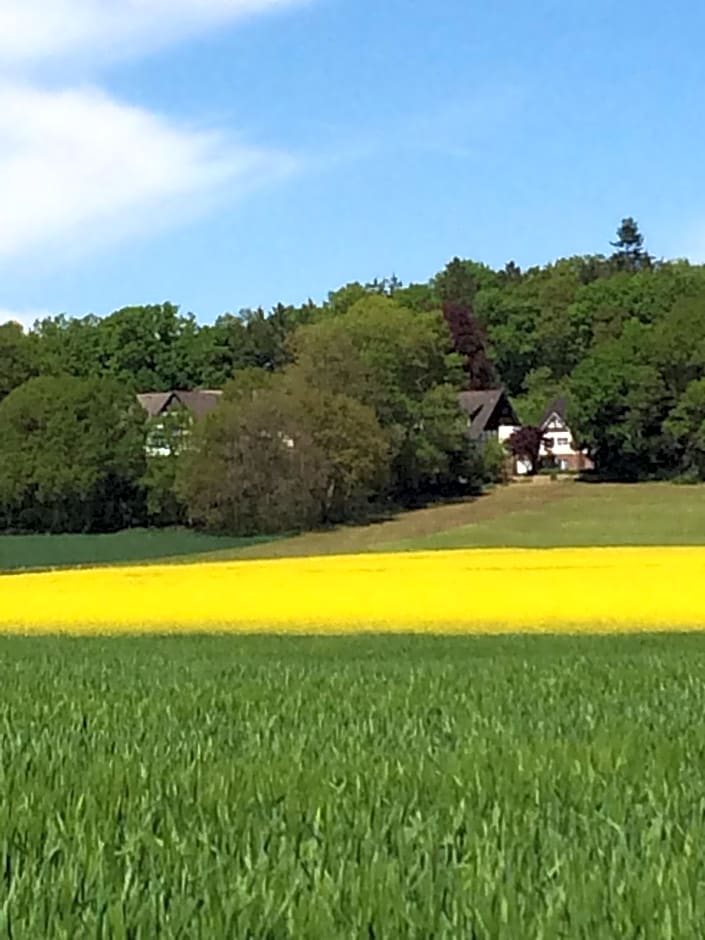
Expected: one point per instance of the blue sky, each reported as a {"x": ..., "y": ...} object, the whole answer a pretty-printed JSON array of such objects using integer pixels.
[{"x": 232, "y": 153}]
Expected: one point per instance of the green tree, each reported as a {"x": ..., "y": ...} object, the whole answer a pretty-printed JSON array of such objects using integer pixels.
[
  {"x": 630, "y": 254},
  {"x": 69, "y": 346},
  {"x": 494, "y": 462},
  {"x": 72, "y": 455},
  {"x": 250, "y": 340},
  {"x": 555, "y": 333},
  {"x": 419, "y": 297},
  {"x": 17, "y": 358},
  {"x": 168, "y": 438},
  {"x": 341, "y": 300},
  {"x": 249, "y": 380},
  {"x": 355, "y": 451},
  {"x": 460, "y": 281},
  {"x": 397, "y": 362},
  {"x": 677, "y": 345},
  {"x": 435, "y": 456},
  {"x": 619, "y": 402},
  {"x": 153, "y": 348},
  {"x": 685, "y": 426},
  {"x": 283, "y": 459},
  {"x": 540, "y": 389}
]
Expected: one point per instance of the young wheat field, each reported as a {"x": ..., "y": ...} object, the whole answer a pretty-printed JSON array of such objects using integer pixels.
[{"x": 352, "y": 787}]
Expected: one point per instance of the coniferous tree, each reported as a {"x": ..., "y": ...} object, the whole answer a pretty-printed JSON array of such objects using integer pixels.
[{"x": 630, "y": 254}]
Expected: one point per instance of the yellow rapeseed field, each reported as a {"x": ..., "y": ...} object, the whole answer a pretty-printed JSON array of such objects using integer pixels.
[{"x": 483, "y": 591}]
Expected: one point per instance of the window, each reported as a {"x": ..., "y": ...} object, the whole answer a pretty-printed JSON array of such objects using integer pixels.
[{"x": 563, "y": 441}]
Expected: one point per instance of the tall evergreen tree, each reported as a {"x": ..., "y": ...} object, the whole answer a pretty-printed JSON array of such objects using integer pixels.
[{"x": 630, "y": 254}]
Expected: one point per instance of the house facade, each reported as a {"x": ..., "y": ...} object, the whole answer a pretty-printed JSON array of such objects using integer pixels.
[
  {"x": 491, "y": 415},
  {"x": 171, "y": 416},
  {"x": 562, "y": 452}
]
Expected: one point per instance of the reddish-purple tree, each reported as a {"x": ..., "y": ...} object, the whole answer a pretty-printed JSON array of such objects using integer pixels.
[
  {"x": 525, "y": 443},
  {"x": 469, "y": 341}
]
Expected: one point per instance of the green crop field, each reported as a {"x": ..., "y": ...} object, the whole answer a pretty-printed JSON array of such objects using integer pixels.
[
  {"x": 352, "y": 788},
  {"x": 136, "y": 545}
]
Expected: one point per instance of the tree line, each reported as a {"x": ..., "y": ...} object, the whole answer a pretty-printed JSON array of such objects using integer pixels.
[{"x": 331, "y": 410}]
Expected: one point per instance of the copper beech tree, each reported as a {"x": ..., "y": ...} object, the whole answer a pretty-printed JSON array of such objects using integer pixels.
[{"x": 525, "y": 444}]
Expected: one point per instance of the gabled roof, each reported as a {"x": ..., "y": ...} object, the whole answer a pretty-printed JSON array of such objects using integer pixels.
[
  {"x": 198, "y": 402},
  {"x": 154, "y": 402},
  {"x": 559, "y": 406},
  {"x": 481, "y": 405}
]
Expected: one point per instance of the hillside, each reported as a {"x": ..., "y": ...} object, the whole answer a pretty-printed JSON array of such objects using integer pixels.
[
  {"x": 537, "y": 514},
  {"x": 316, "y": 410}
]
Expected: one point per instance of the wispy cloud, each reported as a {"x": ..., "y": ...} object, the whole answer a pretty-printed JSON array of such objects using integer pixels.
[
  {"x": 37, "y": 30},
  {"x": 77, "y": 167}
]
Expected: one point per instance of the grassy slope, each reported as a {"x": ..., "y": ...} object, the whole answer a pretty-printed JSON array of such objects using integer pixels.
[
  {"x": 646, "y": 514},
  {"x": 367, "y": 787},
  {"x": 538, "y": 514}
]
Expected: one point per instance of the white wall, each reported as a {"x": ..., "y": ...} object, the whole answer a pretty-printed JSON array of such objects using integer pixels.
[
  {"x": 562, "y": 444},
  {"x": 505, "y": 431}
]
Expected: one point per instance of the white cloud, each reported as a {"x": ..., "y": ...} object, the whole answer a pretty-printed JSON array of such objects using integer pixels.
[
  {"x": 78, "y": 167},
  {"x": 37, "y": 30}
]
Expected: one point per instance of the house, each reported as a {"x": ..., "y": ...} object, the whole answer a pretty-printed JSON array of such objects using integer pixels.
[
  {"x": 490, "y": 414},
  {"x": 172, "y": 414},
  {"x": 562, "y": 452}
]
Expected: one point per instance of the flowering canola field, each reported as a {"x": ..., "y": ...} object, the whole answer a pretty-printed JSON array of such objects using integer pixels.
[{"x": 473, "y": 591}]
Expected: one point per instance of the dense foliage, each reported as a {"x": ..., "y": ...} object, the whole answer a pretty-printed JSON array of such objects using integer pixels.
[
  {"x": 283, "y": 460},
  {"x": 621, "y": 335},
  {"x": 71, "y": 456},
  {"x": 353, "y": 788}
]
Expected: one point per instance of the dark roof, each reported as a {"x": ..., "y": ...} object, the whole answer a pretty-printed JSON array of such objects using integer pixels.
[
  {"x": 558, "y": 406},
  {"x": 198, "y": 402},
  {"x": 481, "y": 405}
]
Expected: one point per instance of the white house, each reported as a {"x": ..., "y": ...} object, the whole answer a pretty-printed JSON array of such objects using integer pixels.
[
  {"x": 491, "y": 415},
  {"x": 562, "y": 452}
]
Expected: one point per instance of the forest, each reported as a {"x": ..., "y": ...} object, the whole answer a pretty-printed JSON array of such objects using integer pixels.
[{"x": 333, "y": 410}]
